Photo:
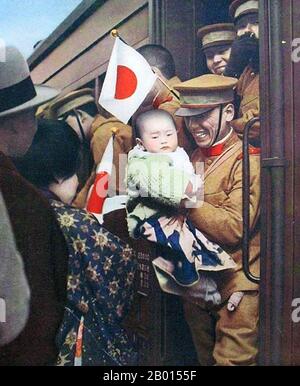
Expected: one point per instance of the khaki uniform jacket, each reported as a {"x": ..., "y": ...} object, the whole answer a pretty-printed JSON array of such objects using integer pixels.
[
  {"x": 123, "y": 143},
  {"x": 220, "y": 217},
  {"x": 248, "y": 90},
  {"x": 44, "y": 252}
]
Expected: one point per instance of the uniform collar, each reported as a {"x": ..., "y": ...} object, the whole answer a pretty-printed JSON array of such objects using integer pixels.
[
  {"x": 217, "y": 150},
  {"x": 214, "y": 151}
]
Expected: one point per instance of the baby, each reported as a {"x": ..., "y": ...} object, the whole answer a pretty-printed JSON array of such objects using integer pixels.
[
  {"x": 160, "y": 180},
  {"x": 160, "y": 175}
]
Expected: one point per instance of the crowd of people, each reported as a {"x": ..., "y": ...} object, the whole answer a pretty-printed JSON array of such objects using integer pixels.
[{"x": 68, "y": 279}]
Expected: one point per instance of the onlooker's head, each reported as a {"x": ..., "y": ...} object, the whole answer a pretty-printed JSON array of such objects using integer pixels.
[
  {"x": 245, "y": 15},
  {"x": 19, "y": 98},
  {"x": 207, "y": 106},
  {"x": 52, "y": 160},
  {"x": 155, "y": 132},
  {"x": 78, "y": 109},
  {"x": 159, "y": 58},
  {"x": 162, "y": 63},
  {"x": 216, "y": 40}
]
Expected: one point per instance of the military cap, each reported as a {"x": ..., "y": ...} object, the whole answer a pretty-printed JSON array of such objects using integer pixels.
[
  {"x": 203, "y": 93},
  {"x": 216, "y": 34},
  {"x": 240, "y": 8},
  {"x": 70, "y": 101}
]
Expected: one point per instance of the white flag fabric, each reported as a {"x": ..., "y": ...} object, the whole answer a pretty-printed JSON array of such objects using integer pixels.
[
  {"x": 128, "y": 80},
  {"x": 98, "y": 192}
]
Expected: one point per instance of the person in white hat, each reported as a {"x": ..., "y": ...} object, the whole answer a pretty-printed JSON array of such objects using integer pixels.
[
  {"x": 216, "y": 40},
  {"x": 19, "y": 99},
  {"x": 244, "y": 65},
  {"x": 37, "y": 234}
]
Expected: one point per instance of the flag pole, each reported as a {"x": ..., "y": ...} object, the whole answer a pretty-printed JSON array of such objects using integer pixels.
[
  {"x": 166, "y": 85},
  {"x": 115, "y": 34}
]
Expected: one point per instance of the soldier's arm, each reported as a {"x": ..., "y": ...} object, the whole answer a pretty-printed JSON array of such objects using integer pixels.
[
  {"x": 221, "y": 220},
  {"x": 240, "y": 123}
]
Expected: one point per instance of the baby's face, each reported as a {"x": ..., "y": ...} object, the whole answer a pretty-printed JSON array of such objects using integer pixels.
[{"x": 159, "y": 135}]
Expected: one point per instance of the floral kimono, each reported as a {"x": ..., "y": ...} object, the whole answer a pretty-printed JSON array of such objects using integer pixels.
[{"x": 100, "y": 291}]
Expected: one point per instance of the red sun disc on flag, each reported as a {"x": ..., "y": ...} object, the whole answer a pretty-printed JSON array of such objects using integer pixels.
[{"x": 126, "y": 82}]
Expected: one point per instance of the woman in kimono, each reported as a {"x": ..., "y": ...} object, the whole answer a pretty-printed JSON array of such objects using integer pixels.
[{"x": 101, "y": 265}]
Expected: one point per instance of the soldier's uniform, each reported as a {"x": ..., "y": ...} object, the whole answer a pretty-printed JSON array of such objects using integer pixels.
[
  {"x": 248, "y": 90},
  {"x": 217, "y": 36},
  {"x": 221, "y": 336},
  {"x": 248, "y": 85}
]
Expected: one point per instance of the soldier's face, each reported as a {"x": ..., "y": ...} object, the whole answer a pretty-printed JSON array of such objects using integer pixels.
[
  {"x": 204, "y": 127},
  {"x": 217, "y": 58},
  {"x": 247, "y": 23},
  {"x": 252, "y": 28}
]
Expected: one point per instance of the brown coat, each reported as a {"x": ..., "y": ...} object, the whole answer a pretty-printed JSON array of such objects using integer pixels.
[
  {"x": 220, "y": 217},
  {"x": 123, "y": 143},
  {"x": 42, "y": 247},
  {"x": 248, "y": 90}
]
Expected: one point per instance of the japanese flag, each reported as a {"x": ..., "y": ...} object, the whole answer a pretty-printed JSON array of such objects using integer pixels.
[
  {"x": 128, "y": 80},
  {"x": 99, "y": 191}
]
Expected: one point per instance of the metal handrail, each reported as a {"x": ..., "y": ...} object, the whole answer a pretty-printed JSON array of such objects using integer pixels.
[{"x": 246, "y": 195}]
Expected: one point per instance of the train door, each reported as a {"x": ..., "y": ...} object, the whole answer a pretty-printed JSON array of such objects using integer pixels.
[{"x": 280, "y": 123}]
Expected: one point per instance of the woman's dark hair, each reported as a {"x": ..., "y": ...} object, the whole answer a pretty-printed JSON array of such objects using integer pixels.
[{"x": 53, "y": 154}]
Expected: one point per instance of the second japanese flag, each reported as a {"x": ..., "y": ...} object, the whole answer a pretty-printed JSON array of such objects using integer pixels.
[{"x": 128, "y": 80}]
